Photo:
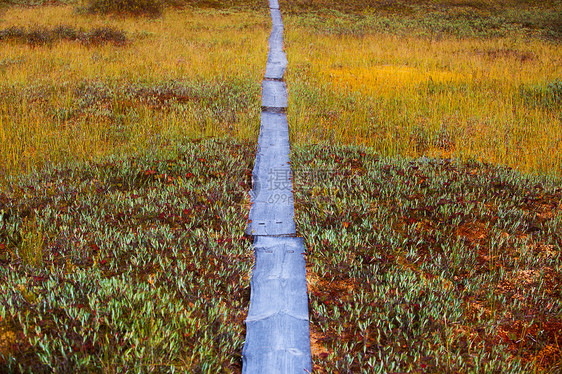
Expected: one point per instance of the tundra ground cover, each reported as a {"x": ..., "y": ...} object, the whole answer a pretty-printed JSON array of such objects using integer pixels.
[
  {"x": 189, "y": 74},
  {"x": 179, "y": 77},
  {"x": 405, "y": 86},
  {"x": 429, "y": 265},
  {"x": 129, "y": 265}
]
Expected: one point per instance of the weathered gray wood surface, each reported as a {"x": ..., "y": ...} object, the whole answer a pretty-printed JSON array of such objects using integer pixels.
[
  {"x": 277, "y": 326},
  {"x": 274, "y": 94},
  {"x": 277, "y": 338}
]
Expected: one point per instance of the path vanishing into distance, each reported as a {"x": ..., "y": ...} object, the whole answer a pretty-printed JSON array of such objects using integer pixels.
[{"x": 277, "y": 326}]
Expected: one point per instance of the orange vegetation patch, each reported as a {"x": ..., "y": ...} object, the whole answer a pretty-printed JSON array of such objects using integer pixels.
[
  {"x": 7, "y": 339},
  {"x": 324, "y": 290},
  {"x": 520, "y": 338},
  {"x": 387, "y": 77},
  {"x": 317, "y": 347},
  {"x": 474, "y": 232},
  {"x": 317, "y": 284},
  {"x": 548, "y": 210},
  {"x": 523, "y": 279}
]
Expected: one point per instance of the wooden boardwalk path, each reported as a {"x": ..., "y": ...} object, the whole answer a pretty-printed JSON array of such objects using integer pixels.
[{"x": 277, "y": 326}]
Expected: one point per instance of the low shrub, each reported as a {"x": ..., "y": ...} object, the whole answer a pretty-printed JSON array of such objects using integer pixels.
[
  {"x": 65, "y": 32},
  {"x": 150, "y": 8},
  {"x": 103, "y": 35},
  {"x": 144, "y": 269},
  {"x": 35, "y": 2},
  {"x": 36, "y": 37},
  {"x": 405, "y": 253}
]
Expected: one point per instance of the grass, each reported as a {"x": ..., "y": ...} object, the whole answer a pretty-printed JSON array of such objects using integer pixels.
[
  {"x": 135, "y": 264},
  {"x": 174, "y": 78},
  {"x": 481, "y": 18},
  {"x": 121, "y": 248},
  {"x": 487, "y": 96},
  {"x": 432, "y": 220},
  {"x": 134, "y": 7},
  {"x": 429, "y": 265},
  {"x": 417, "y": 263},
  {"x": 404, "y": 91}
]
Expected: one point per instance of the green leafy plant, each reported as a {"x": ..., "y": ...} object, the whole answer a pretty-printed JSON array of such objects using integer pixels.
[
  {"x": 428, "y": 265},
  {"x": 145, "y": 265}
]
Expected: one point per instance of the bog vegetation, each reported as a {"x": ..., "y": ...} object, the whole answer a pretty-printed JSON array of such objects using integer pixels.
[
  {"x": 127, "y": 265},
  {"x": 429, "y": 265},
  {"x": 432, "y": 218},
  {"x": 79, "y": 86},
  {"x": 479, "y": 80}
]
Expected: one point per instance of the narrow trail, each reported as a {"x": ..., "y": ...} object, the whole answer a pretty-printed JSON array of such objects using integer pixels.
[{"x": 277, "y": 326}]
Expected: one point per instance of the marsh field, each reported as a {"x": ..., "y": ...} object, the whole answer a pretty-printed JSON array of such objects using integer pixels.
[{"x": 427, "y": 156}]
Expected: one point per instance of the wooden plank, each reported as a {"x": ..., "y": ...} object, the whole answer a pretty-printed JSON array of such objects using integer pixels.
[
  {"x": 277, "y": 326},
  {"x": 274, "y": 95},
  {"x": 278, "y": 337}
]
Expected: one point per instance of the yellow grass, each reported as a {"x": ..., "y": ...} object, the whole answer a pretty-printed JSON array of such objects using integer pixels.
[
  {"x": 415, "y": 96},
  {"x": 192, "y": 47},
  {"x": 400, "y": 94},
  {"x": 181, "y": 44},
  {"x": 369, "y": 80}
]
